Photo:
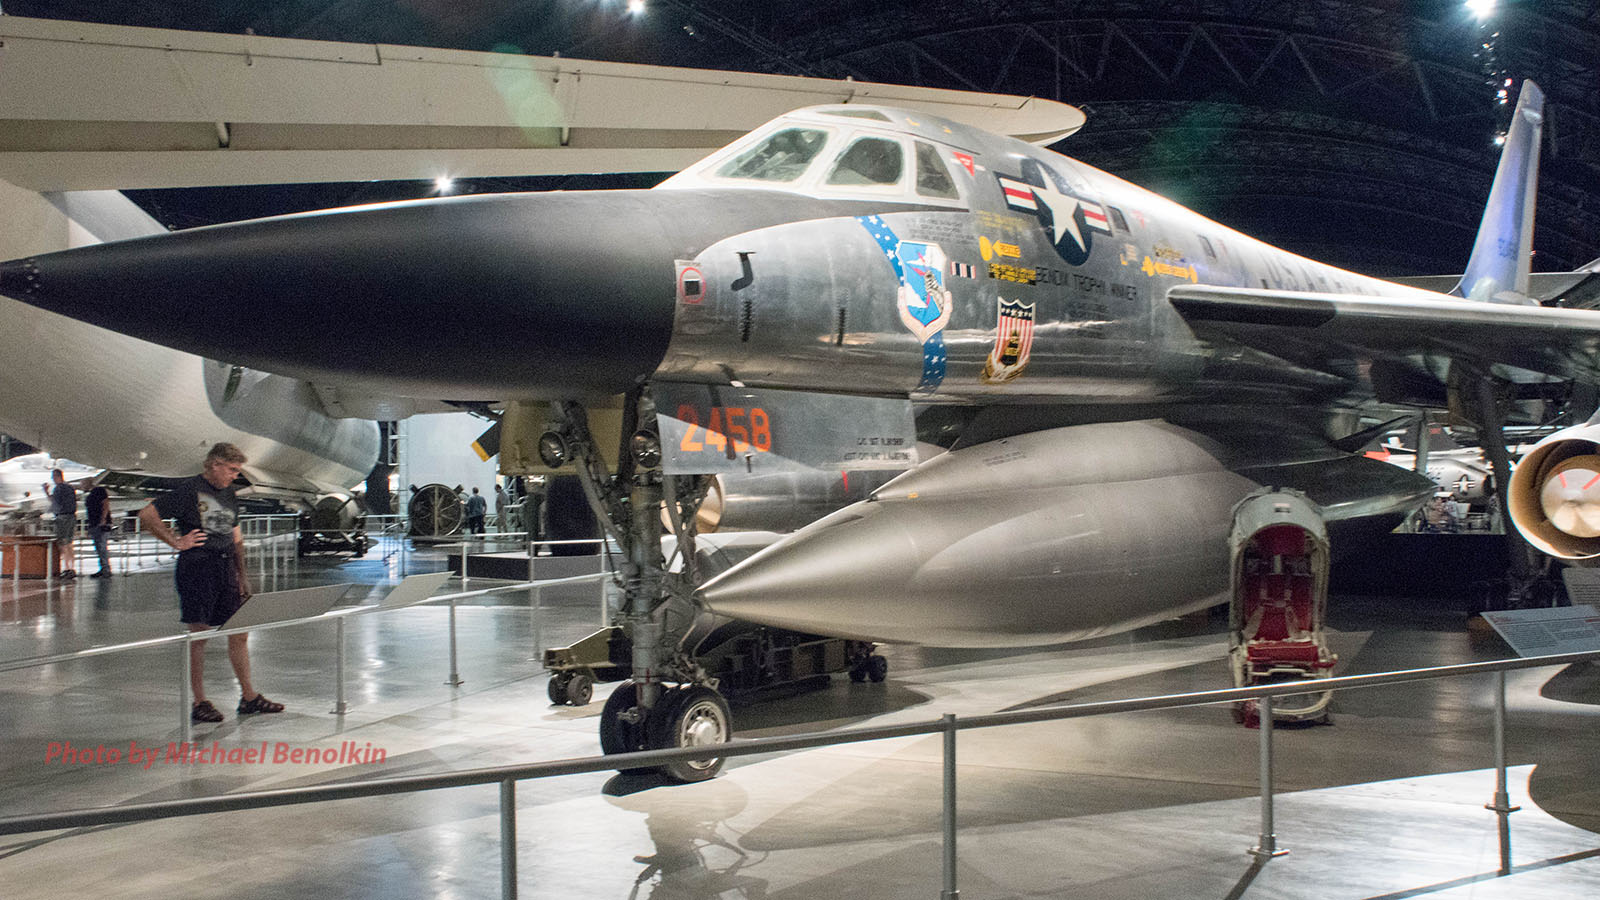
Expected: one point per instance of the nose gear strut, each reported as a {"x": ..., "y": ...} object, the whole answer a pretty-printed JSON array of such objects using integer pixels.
[{"x": 670, "y": 700}]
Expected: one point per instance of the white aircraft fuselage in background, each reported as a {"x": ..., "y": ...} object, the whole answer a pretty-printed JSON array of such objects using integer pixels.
[{"x": 120, "y": 403}]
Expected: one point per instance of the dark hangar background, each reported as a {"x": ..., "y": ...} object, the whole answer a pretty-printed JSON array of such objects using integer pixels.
[{"x": 1357, "y": 133}]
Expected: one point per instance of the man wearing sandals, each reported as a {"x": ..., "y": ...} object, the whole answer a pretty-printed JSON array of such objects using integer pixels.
[{"x": 211, "y": 578}]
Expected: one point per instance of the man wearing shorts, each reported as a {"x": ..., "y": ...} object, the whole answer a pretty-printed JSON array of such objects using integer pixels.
[
  {"x": 64, "y": 503},
  {"x": 210, "y": 576}
]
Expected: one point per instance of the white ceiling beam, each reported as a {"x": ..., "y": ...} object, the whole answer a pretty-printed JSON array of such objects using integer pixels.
[{"x": 86, "y": 106}]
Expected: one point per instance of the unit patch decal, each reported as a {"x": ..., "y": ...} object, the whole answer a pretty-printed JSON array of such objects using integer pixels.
[
  {"x": 925, "y": 303},
  {"x": 1013, "y": 341},
  {"x": 1069, "y": 220},
  {"x": 1170, "y": 261}
]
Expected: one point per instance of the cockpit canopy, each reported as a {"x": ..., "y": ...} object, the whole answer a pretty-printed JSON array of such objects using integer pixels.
[{"x": 846, "y": 152}]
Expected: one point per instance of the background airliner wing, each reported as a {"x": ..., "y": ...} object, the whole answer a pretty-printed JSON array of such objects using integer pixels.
[{"x": 1563, "y": 342}]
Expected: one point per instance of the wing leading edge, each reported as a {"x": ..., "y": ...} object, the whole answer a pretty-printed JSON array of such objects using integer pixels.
[{"x": 1560, "y": 342}]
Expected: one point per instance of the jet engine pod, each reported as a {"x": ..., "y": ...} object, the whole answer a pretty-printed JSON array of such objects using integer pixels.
[
  {"x": 1555, "y": 495},
  {"x": 782, "y": 501}
]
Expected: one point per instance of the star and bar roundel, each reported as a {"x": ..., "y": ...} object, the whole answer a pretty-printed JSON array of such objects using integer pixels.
[{"x": 1069, "y": 220}]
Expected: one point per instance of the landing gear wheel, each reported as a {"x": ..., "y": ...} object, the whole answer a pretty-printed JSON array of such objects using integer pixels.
[
  {"x": 877, "y": 668},
  {"x": 557, "y": 688},
  {"x": 858, "y": 673},
  {"x": 694, "y": 716},
  {"x": 617, "y": 735},
  {"x": 580, "y": 688}
]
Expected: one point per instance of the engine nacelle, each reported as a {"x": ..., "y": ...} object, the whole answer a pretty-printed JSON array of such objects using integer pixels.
[
  {"x": 782, "y": 501},
  {"x": 1554, "y": 495}
]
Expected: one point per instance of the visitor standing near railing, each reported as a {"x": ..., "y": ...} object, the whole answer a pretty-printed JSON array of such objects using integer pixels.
[
  {"x": 211, "y": 577},
  {"x": 64, "y": 504},
  {"x": 97, "y": 518}
]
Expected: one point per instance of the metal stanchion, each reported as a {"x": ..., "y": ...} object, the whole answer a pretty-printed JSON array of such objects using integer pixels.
[
  {"x": 508, "y": 839},
  {"x": 1502, "y": 799},
  {"x": 339, "y": 705},
  {"x": 49, "y": 562},
  {"x": 949, "y": 892},
  {"x": 185, "y": 673},
  {"x": 535, "y": 599},
  {"x": 1267, "y": 842},
  {"x": 455, "y": 675},
  {"x": 138, "y": 535}
]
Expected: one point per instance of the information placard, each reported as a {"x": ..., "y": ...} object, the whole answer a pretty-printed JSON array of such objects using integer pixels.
[{"x": 1544, "y": 632}]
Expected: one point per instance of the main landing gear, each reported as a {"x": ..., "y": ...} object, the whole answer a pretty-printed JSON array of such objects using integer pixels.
[{"x": 670, "y": 700}]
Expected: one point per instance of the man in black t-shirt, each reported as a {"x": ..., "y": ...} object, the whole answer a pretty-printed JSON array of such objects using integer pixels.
[
  {"x": 97, "y": 518},
  {"x": 211, "y": 578}
]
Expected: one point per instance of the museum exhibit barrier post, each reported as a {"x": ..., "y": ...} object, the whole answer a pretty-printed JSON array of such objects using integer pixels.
[
  {"x": 535, "y": 604},
  {"x": 949, "y": 892},
  {"x": 49, "y": 562},
  {"x": 455, "y": 676},
  {"x": 185, "y": 673},
  {"x": 1267, "y": 842},
  {"x": 508, "y": 839},
  {"x": 1501, "y": 806},
  {"x": 339, "y": 704}
]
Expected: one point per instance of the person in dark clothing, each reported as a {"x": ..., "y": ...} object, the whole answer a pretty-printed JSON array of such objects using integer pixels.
[
  {"x": 64, "y": 503},
  {"x": 211, "y": 577},
  {"x": 97, "y": 518},
  {"x": 477, "y": 508},
  {"x": 502, "y": 508}
]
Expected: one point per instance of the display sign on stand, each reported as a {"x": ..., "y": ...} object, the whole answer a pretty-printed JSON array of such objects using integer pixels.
[
  {"x": 1545, "y": 632},
  {"x": 281, "y": 606},
  {"x": 414, "y": 588}
]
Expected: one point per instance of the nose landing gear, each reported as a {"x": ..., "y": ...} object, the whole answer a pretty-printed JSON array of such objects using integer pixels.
[{"x": 670, "y": 701}]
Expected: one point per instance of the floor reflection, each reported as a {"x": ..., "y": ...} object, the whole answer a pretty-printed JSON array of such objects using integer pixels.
[{"x": 696, "y": 855}]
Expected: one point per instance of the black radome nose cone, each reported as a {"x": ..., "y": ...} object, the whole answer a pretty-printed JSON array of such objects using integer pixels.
[{"x": 476, "y": 297}]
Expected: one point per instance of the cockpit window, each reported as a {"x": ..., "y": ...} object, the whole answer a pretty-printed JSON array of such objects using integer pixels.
[
  {"x": 781, "y": 157},
  {"x": 933, "y": 179},
  {"x": 869, "y": 160}
]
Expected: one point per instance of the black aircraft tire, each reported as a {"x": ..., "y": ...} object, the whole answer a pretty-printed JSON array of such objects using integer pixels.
[
  {"x": 617, "y": 736},
  {"x": 691, "y": 717},
  {"x": 877, "y": 668},
  {"x": 580, "y": 689},
  {"x": 557, "y": 688}
]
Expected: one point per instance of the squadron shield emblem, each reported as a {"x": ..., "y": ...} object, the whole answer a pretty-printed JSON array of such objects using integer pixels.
[
  {"x": 924, "y": 302},
  {"x": 1013, "y": 341}
]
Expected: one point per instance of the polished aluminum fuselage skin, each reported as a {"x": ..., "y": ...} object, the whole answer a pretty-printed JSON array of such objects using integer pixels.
[
  {"x": 1045, "y": 535},
  {"x": 812, "y": 305}
]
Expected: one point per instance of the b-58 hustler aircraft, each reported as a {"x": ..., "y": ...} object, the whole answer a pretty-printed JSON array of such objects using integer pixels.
[{"x": 1117, "y": 372}]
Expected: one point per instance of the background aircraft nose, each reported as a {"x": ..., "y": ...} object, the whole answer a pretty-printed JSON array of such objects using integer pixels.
[{"x": 477, "y": 297}]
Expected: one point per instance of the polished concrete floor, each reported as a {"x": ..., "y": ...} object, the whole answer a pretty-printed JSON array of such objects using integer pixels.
[{"x": 1386, "y": 803}]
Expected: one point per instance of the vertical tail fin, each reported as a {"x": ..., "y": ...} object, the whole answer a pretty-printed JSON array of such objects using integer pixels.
[{"x": 1500, "y": 255}]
